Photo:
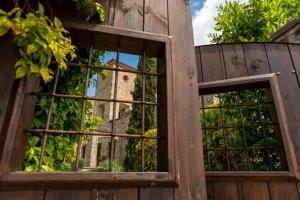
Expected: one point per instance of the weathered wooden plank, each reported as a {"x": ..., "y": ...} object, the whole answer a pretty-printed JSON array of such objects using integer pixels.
[
  {"x": 22, "y": 195},
  {"x": 295, "y": 52},
  {"x": 8, "y": 57},
  {"x": 192, "y": 180},
  {"x": 129, "y": 14},
  {"x": 256, "y": 59},
  {"x": 118, "y": 194},
  {"x": 68, "y": 195},
  {"x": 210, "y": 190},
  {"x": 156, "y": 16},
  {"x": 211, "y": 63},
  {"x": 234, "y": 60},
  {"x": 255, "y": 190},
  {"x": 156, "y": 194},
  {"x": 281, "y": 63},
  {"x": 199, "y": 64},
  {"x": 283, "y": 191},
  {"x": 225, "y": 190}
]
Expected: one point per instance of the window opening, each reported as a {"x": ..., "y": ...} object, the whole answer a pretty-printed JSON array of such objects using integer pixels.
[
  {"x": 127, "y": 116},
  {"x": 241, "y": 131}
]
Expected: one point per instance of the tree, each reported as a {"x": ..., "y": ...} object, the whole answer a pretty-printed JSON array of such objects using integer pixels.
[
  {"x": 255, "y": 21},
  {"x": 132, "y": 158}
]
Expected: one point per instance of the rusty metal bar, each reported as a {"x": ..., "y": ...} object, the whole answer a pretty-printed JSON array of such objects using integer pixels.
[
  {"x": 143, "y": 111},
  {"x": 241, "y": 148},
  {"x": 234, "y": 106},
  {"x": 238, "y": 126},
  {"x": 113, "y": 69},
  {"x": 243, "y": 127},
  {"x": 205, "y": 133},
  {"x": 94, "y": 98},
  {"x": 113, "y": 124},
  {"x": 45, "y": 137},
  {"x": 96, "y": 133},
  {"x": 264, "y": 132},
  {"x": 83, "y": 109},
  {"x": 224, "y": 133}
]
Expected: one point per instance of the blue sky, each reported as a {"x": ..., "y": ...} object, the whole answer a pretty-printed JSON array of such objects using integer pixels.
[{"x": 196, "y": 5}]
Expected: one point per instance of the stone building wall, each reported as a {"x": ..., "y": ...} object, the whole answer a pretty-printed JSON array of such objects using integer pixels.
[{"x": 105, "y": 90}]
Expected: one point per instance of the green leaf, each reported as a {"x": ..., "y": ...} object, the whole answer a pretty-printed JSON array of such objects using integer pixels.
[
  {"x": 46, "y": 74},
  {"x": 41, "y": 8},
  {"x": 31, "y": 49},
  {"x": 34, "y": 69},
  {"x": 57, "y": 22},
  {"x": 21, "y": 72},
  {"x": 3, "y": 30}
]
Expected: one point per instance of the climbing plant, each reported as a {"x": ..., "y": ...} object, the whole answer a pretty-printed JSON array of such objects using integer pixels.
[{"x": 39, "y": 39}]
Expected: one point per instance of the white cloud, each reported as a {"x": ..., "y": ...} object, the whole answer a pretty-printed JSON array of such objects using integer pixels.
[{"x": 203, "y": 21}]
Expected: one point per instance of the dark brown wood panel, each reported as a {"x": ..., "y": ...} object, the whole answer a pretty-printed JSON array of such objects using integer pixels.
[
  {"x": 234, "y": 60},
  {"x": 129, "y": 14},
  {"x": 156, "y": 194},
  {"x": 210, "y": 190},
  {"x": 8, "y": 58},
  {"x": 192, "y": 183},
  {"x": 211, "y": 63},
  {"x": 255, "y": 190},
  {"x": 118, "y": 194},
  {"x": 281, "y": 63},
  {"x": 69, "y": 195},
  {"x": 226, "y": 190},
  {"x": 199, "y": 65},
  {"x": 295, "y": 53},
  {"x": 156, "y": 16},
  {"x": 256, "y": 59},
  {"x": 283, "y": 191},
  {"x": 22, "y": 195}
]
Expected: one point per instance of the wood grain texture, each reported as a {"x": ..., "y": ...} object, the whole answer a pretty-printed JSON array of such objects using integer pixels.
[
  {"x": 68, "y": 195},
  {"x": 211, "y": 63},
  {"x": 156, "y": 16},
  {"x": 295, "y": 52},
  {"x": 129, "y": 14},
  {"x": 283, "y": 191},
  {"x": 156, "y": 194},
  {"x": 199, "y": 64},
  {"x": 192, "y": 183},
  {"x": 210, "y": 190},
  {"x": 118, "y": 194},
  {"x": 8, "y": 57},
  {"x": 280, "y": 61},
  {"x": 234, "y": 60},
  {"x": 225, "y": 190},
  {"x": 22, "y": 195},
  {"x": 256, "y": 59},
  {"x": 255, "y": 190}
]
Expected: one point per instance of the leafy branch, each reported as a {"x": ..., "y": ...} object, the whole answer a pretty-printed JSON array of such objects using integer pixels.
[{"x": 40, "y": 40}]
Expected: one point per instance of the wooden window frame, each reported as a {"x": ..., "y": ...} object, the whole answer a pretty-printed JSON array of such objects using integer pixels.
[
  {"x": 269, "y": 80},
  {"x": 73, "y": 180}
]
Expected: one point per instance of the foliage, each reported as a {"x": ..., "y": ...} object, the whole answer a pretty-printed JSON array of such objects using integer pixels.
[
  {"x": 93, "y": 7},
  {"x": 60, "y": 152},
  {"x": 39, "y": 40},
  {"x": 255, "y": 21},
  {"x": 134, "y": 126},
  {"x": 257, "y": 136},
  {"x": 116, "y": 166},
  {"x": 150, "y": 149}
]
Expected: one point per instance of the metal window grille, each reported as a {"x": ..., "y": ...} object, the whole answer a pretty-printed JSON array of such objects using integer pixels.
[
  {"x": 53, "y": 95},
  {"x": 241, "y": 131}
]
